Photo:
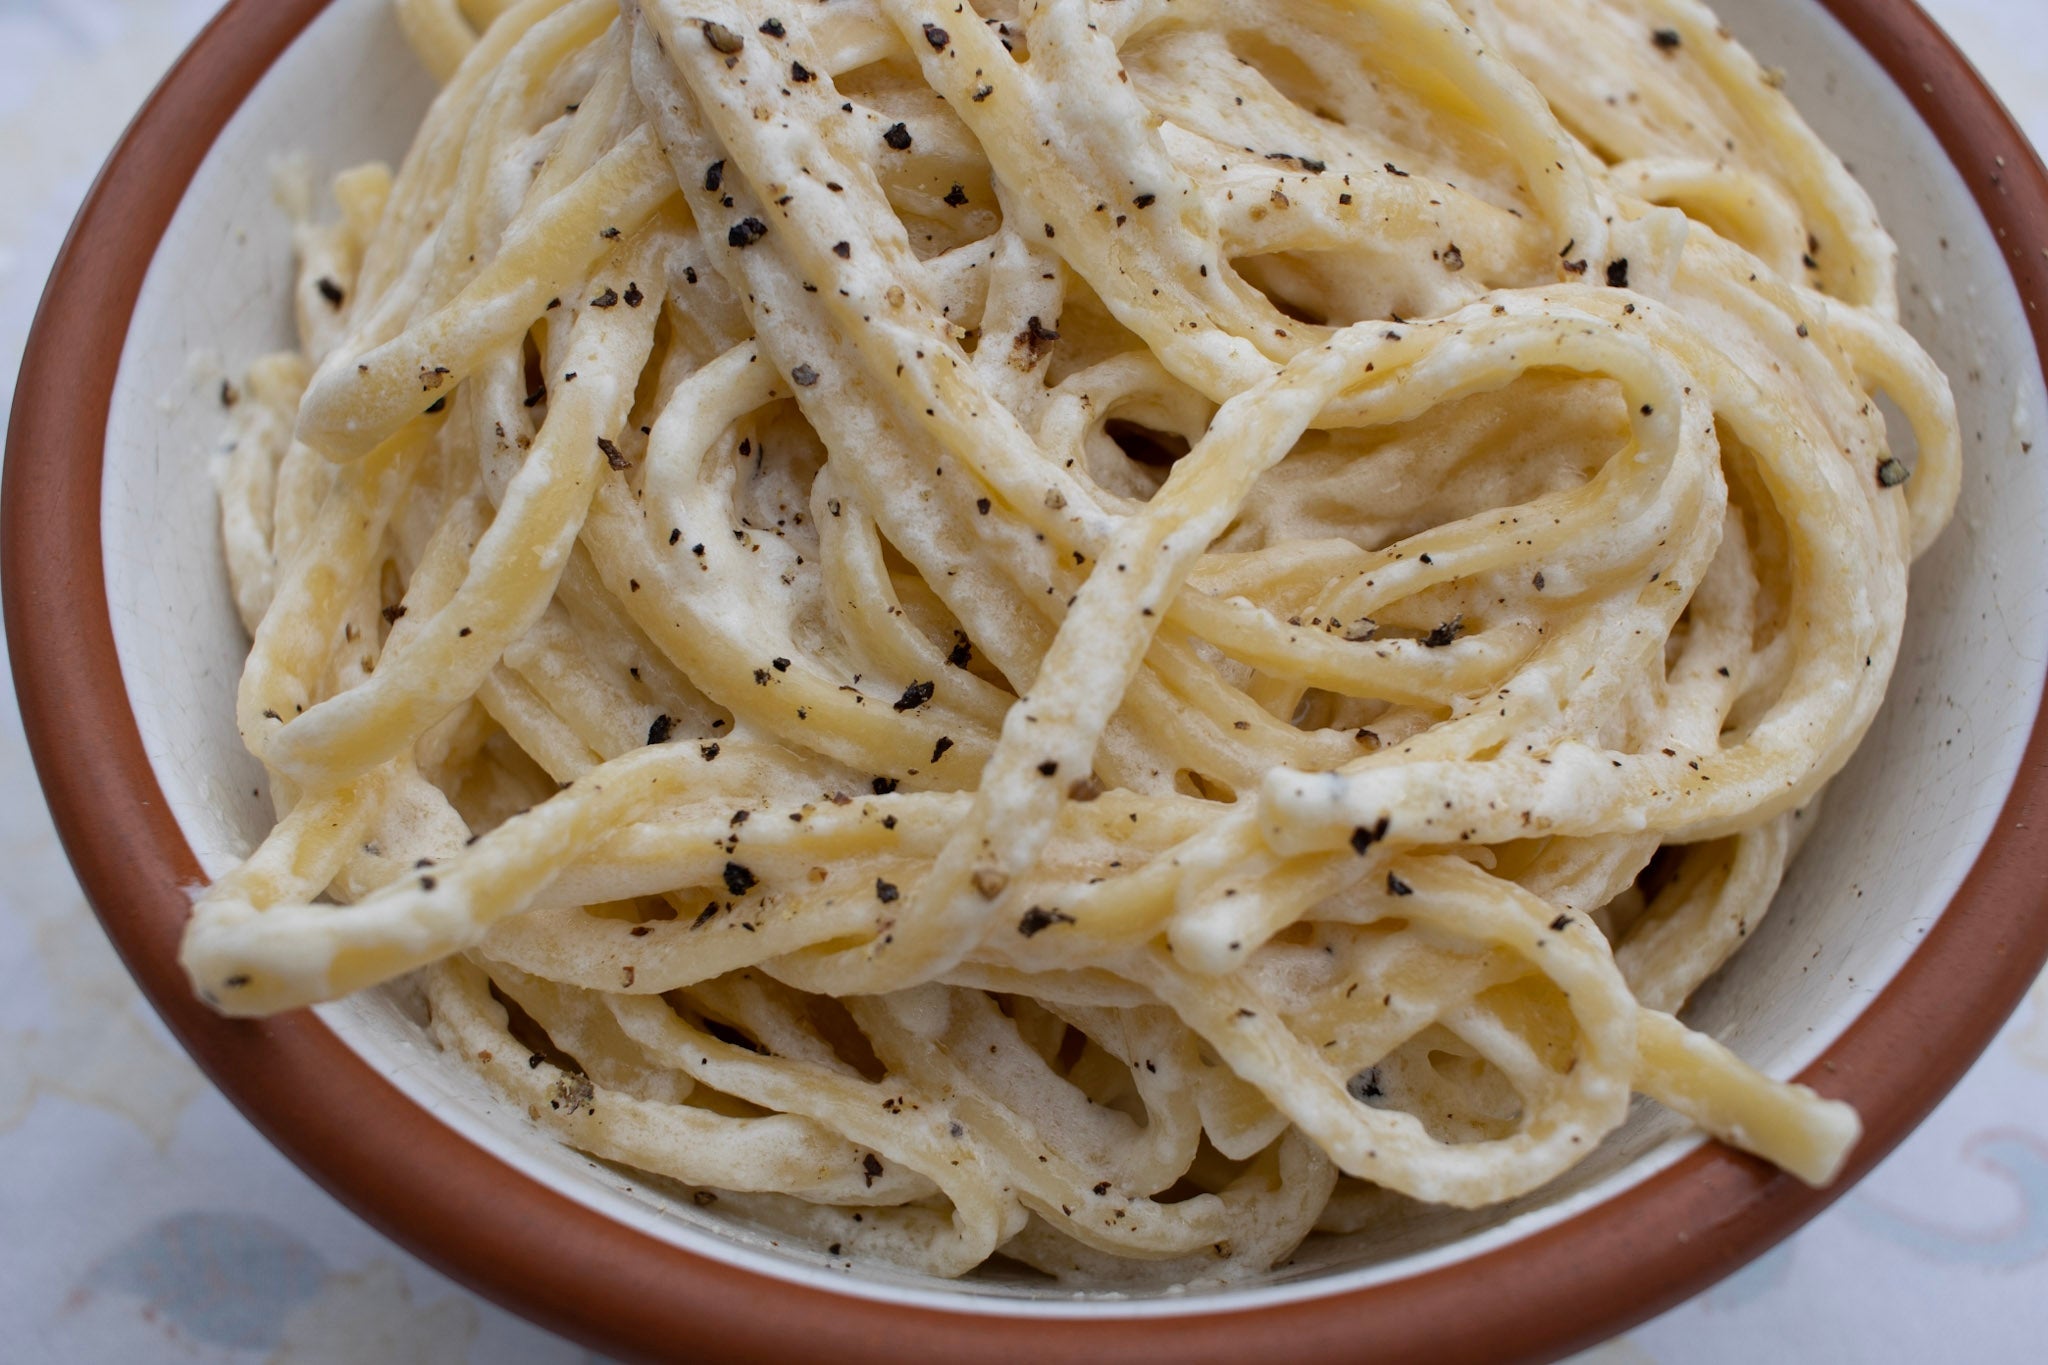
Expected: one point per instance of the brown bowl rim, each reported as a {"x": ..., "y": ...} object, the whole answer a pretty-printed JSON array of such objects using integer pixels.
[{"x": 561, "y": 1264}]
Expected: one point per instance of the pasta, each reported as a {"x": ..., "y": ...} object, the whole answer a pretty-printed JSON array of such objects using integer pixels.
[{"x": 1091, "y": 631}]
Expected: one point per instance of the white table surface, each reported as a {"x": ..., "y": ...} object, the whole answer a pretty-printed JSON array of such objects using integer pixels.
[{"x": 141, "y": 1219}]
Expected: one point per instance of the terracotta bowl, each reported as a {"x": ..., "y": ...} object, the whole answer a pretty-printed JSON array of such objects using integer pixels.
[{"x": 1908, "y": 929}]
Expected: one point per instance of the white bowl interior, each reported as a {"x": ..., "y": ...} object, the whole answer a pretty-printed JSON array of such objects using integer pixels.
[{"x": 1897, "y": 833}]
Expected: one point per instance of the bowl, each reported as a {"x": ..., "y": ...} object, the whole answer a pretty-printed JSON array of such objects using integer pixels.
[{"x": 1905, "y": 933}]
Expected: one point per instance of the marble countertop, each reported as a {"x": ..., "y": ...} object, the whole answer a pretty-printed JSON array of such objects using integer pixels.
[{"x": 144, "y": 1220}]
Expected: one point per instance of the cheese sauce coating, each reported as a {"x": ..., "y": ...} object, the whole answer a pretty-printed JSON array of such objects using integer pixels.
[{"x": 1103, "y": 631}]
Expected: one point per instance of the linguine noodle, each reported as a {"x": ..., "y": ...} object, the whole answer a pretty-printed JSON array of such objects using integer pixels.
[{"x": 1083, "y": 629}]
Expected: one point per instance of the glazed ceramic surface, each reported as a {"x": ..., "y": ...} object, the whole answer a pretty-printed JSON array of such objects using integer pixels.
[{"x": 1896, "y": 832}]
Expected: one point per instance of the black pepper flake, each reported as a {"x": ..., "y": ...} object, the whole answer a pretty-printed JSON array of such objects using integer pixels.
[
  {"x": 1560, "y": 924},
  {"x": 1365, "y": 836},
  {"x": 843, "y": 250},
  {"x": 1577, "y": 267},
  {"x": 608, "y": 299},
  {"x": 1397, "y": 887},
  {"x": 704, "y": 915},
  {"x": 781, "y": 665},
  {"x": 871, "y": 1166},
  {"x": 427, "y": 883},
  {"x": 915, "y": 695},
  {"x": 1669, "y": 39},
  {"x": 957, "y": 195},
  {"x": 982, "y": 92},
  {"x": 739, "y": 879},
  {"x": 1617, "y": 273},
  {"x": 391, "y": 614},
  {"x": 721, "y": 38},
  {"x": 331, "y": 291},
  {"x": 1445, "y": 633},
  {"x": 801, "y": 74},
  {"x": 690, "y": 274},
  {"x": 709, "y": 751},
  {"x": 804, "y": 376},
  {"x": 773, "y": 28},
  {"x": 1365, "y": 1085},
  {"x": 1537, "y": 581},
  {"x": 885, "y": 891},
  {"x": 1048, "y": 768},
  {"x": 937, "y": 37},
  {"x": 659, "y": 732},
  {"x": 634, "y": 298},
  {"x": 1034, "y": 341},
  {"x": 228, "y": 396},
  {"x": 533, "y": 399},
  {"x": 746, "y": 232},
  {"x": 1146, "y": 201},
  {"x": 1038, "y": 918},
  {"x": 1890, "y": 473},
  {"x": 1453, "y": 259},
  {"x": 963, "y": 651},
  {"x": 898, "y": 137},
  {"x": 982, "y": 505},
  {"x": 1392, "y": 169},
  {"x": 882, "y": 786},
  {"x": 675, "y": 533},
  {"x": 939, "y": 749},
  {"x": 612, "y": 456},
  {"x": 610, "y": 234},
  {"x": 714, "y": 176}
]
